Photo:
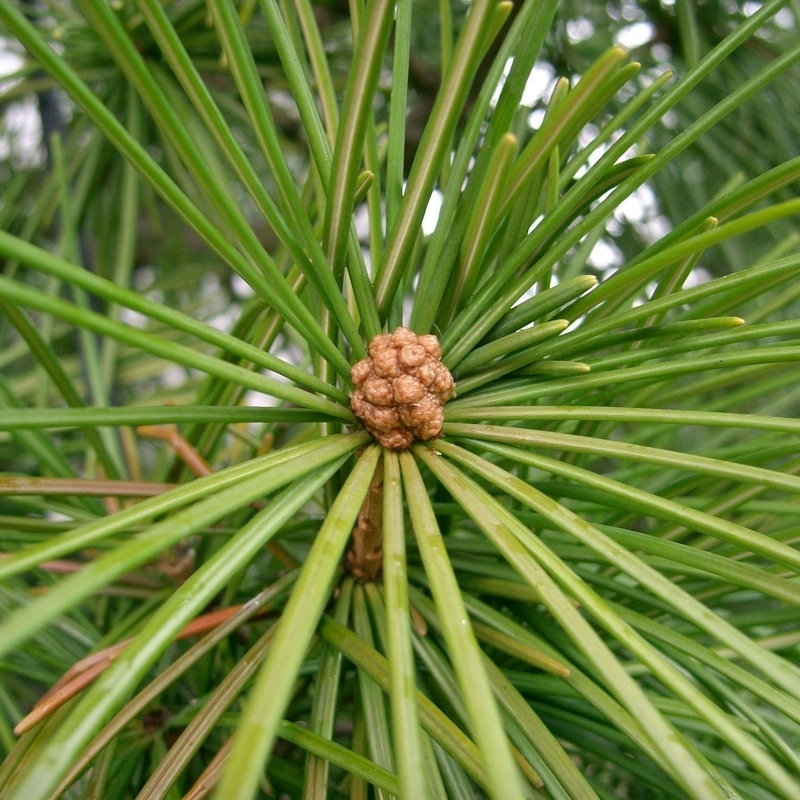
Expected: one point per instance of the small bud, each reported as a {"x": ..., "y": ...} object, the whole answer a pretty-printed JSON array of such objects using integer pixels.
[
  {"x": 419, "y": 413},
  {"x": 378, "y": 391},
  {"x": 384, "y": 419},
  {"x": 402, "y": 337},
  {"x": 443, "y": 382},
  {"x": 431, "y": 428},
  {"x": 401, "y": 388},
  {"x": 407, "y": 389},
  {"x": 385, "y": 363},
  {"x": 398, "y": 439},
  {"x": 426, "y": 373},
  {"x": 412, "y": 355},
  {"x": 358, "y": 403},
  {"x": 361, "y": 371},
  {"x": 378, "y": 343},
  {"x": 431, "y": 345}
]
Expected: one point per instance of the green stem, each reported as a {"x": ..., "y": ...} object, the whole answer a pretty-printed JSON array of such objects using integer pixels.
[
  {"x": 502, "y": 775},
  {"x": 51, "y": 265},
  {"x": 431, "y": 152},
  {"x": 405, "y": 714},
  {"x": 258, "y": 727},
  {"x": 85, "y": 535},
  {"x": 291, "y": 306},
  {"x": 172, "y": 351}
]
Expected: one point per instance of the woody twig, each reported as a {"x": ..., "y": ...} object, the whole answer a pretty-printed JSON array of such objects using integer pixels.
[{"x": 364, "y": 556}]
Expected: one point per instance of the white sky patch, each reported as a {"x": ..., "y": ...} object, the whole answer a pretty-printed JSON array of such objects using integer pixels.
[
  {"x": 605, "y": 256},
  {"x": 143, "y": 277},
  {"x": 580, "y": 29},
  {"x": 575, "y": 324},
  {"x": 751, "y": 8},
  {"x": 634, "y": 207},
  {"x": 697, "y": 276},
  {"x": 670, "y": 120},
  {"x": 133, "y": 318},
  {"x": 526, "y": 296},
  {"x": 361, "y": 223},
  {"x": 22, "y": 134},
  {"x": 661, "y": 52},
  {"x": 284, "y": 100},
  {"x": 290, "y": 353},
  {"x": 408, "y": 309},
  {"x": 367, "y": 255},
  {"x": 631, "y": 10},
  {"x": 657, "y": 228},
  {"x": 210, "y": 286},
  {"x": 588, "y": 134},
  {"x": 784, "y": 19},
  {"x": 585, "y": 138},
  {"x": 535, "y": 222},
  {"x": 581, "y": 171},
  {"x": 260, "y": 400},
  {"x": 641, "y": 211},
  {"x": 538, "y": 83},
  {"x": 502, "y": 82},
  {"x": 432, "y": 213},
  {"x": 173, "y": 377},
  {"x": 56, "y": 516},
  {"x": 225, "y": 319},
  {"x": 632, "y": 36},
  {"x": 9, "y": 62},
  {"x": 535, "y": 119},
  {"x": 240, "y": 287},
  {"x": 275, "y": 376}
]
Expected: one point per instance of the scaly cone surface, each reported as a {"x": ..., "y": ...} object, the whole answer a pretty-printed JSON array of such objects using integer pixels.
[{"x": 401, "y": 388}]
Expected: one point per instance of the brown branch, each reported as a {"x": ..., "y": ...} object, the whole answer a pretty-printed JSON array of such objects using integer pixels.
[
  {"x": 205, "y": 784},
  {"x": 90, "y": 487},
  {"x": 201, "y": 468},
  {"x": 85, "y": 671},
  {"x": 364, "y": 556},
  {"x": 184, "y": 450}
]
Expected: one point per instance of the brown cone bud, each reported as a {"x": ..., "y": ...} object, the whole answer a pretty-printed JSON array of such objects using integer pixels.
[
  {"x": 431, "y": 345},
  {"x": 385, "y": 363},
  {"x": 426, "y": 373},
  {"x": 402, "y": 337},
  {"x": 432, "y": 427},
  {"x": 412, "y": 355},
  {"x": 401, "y": 388},
  {"x": 361, "y": 371},
  {"x": 378, "y": 343},
  {"x": 384, "y": 419},
  {"x": 443, "y": 382},
  {"x": 378, "y": 391},
  {"x": 407, "y": 390}
]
